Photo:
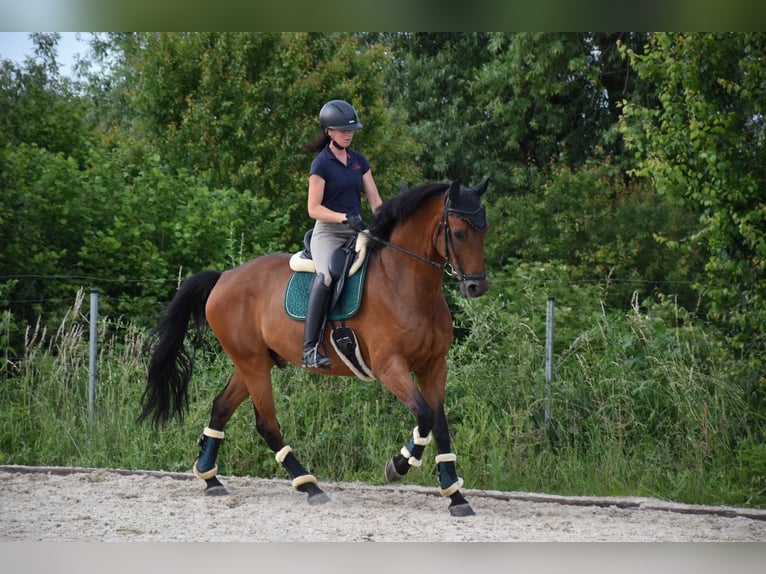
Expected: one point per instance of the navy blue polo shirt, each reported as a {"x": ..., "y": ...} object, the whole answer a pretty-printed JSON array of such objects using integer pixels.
[{"x": 342, "y": 183}]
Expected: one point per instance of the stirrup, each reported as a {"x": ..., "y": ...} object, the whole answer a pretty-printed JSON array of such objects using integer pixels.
[{"x": 313, "y": 359}]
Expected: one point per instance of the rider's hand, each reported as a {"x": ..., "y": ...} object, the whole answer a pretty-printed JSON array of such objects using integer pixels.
[{"x": 355, "y": 222}]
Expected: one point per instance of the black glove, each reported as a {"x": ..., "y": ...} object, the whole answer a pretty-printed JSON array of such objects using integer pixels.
[{"x": 355, "y": 222}]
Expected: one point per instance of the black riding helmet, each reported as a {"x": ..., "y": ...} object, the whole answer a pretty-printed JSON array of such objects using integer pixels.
[{"x": 339, "y": 115}]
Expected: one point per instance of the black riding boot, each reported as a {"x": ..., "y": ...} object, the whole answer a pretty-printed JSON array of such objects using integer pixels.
[{"x": 319, "y": 296}]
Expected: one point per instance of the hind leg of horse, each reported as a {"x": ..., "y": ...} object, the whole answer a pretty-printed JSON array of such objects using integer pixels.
[
  {"x": 224, "y": 406},
  {"x": 268, "y": 427}
]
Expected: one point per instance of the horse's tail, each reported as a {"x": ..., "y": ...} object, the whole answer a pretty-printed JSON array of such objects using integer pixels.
[{"x": 170, "y": 365}]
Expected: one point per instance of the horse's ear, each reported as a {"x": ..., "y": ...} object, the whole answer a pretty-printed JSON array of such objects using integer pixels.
[
  {"x": 454, "y": 191},
  {"x": 403, "y": 188},
  {"x": 482, "y": 187}
]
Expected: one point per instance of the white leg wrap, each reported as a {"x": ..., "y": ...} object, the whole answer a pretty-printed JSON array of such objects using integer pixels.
[
  {"x": 282, "y": 454},
  {"x": 419, "y": 440},
  {"x": 453, "y": 488},
  {"x": 304, "y": 479},
  {"x": 212, "y": 433},
  {"x": 410, "y": 459},
  {"x": 207, "y": 474}
]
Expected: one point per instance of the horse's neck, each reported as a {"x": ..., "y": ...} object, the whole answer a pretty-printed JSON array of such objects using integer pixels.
[{"x": 418, "y": 235}]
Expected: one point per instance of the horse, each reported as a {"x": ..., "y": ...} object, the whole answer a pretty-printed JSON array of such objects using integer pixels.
[{"x": 403, "y": 328}]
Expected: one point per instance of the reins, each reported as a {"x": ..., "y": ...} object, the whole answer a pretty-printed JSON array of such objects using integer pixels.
[{"x": 408, "y": 252}]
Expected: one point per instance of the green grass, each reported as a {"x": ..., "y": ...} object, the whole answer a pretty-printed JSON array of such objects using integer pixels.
[{"x": 642, "y": 403}]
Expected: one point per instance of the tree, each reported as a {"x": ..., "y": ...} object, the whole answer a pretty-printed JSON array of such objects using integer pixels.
[
  {"x": 185, "y": 153},
  {"x": 38, "y": 106},
  {"x": 702, "y": 146},
  {"x": 539, "y": 114},
  {"x": 604, "y": 230},
  {"x": 484, "y": 103},
  {"x": 238, "y": 107},
  {"x": 44, "y": 142}
]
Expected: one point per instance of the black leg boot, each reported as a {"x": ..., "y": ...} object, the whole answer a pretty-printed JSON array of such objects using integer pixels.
[{"x": 319, "y": 296}]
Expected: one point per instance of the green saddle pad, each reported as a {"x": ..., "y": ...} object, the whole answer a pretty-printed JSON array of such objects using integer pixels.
[{"x": 297, "y": 295}]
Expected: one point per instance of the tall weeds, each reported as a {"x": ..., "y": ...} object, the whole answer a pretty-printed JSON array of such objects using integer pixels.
[{"x": 642, "y": 403}]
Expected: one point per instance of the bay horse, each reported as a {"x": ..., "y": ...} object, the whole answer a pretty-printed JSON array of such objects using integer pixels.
[{"x": 404, "y": 327}]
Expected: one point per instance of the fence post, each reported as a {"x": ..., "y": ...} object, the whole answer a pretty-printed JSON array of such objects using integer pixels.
[
  {"x": 93, "y": 354},
  {"x": 548, "y": 359}
]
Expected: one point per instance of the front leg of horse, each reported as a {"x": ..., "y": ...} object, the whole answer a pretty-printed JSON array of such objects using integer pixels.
[
  {"x": 449, "y": 482},
  {"x": 410, "y": 455}
]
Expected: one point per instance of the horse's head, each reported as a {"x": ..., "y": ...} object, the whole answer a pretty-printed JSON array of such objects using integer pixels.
[
  {"x": 456, "y": 240},
  {"x": 465, "y": 226}
]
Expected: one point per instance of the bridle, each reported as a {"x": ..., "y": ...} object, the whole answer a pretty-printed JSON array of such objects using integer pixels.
[{"x": 476, "y": 218}]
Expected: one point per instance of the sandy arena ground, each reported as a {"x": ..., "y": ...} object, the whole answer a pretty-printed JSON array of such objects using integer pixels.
[{"x": 63, "y": 505}]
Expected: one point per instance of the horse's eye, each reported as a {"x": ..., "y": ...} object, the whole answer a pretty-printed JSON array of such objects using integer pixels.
[{"x": 459, "y": 234}]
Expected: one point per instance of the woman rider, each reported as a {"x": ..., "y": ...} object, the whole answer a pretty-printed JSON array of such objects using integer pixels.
[{"x": 338, "y": 175}]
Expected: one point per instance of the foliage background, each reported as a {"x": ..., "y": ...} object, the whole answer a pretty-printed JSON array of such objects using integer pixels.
[{"x": 627, "y": 182}]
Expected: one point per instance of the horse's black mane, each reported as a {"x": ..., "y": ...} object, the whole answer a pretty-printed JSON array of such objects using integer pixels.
[{"x": 400, "y": 207}]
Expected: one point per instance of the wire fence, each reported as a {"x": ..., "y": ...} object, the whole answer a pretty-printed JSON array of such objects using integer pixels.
[
  {"x": 83, "y": 283},
  {"x": 79, "y": 281},
  {"x": 145, "y": 298},
  {"x": 91, "y": 281}
]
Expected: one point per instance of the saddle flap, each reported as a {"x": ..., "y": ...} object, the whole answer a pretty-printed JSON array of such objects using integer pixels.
[{"x": 296, "y": 295}]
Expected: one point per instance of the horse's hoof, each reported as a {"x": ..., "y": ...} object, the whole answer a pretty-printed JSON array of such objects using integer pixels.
[
  {"x": 218, "y": 490},
  {"x": 461, "y": 510},
  {"x": 392, "y": 475},
  {"x": 316, "y": 495},
  {"x": 318, "y": 498}
]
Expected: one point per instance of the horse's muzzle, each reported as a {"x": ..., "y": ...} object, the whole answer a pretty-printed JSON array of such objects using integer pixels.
[{"x": 474, "y": 286}]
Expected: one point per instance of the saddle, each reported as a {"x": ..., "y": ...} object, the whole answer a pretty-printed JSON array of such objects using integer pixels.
[
  {"x": 348, "y": 268},
  {"x": 345, "y": 262}
]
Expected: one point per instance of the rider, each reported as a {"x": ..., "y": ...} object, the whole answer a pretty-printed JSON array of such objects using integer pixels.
[{"x": 337, "y": 176}]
